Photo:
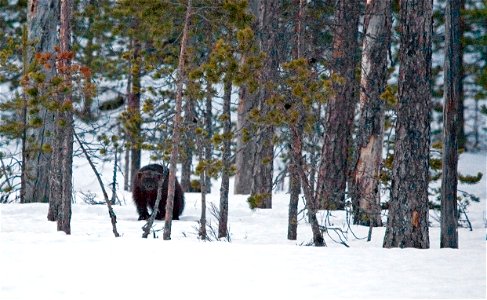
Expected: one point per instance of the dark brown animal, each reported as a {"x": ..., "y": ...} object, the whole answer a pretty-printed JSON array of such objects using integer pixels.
[{"x": 144, "y": 192}]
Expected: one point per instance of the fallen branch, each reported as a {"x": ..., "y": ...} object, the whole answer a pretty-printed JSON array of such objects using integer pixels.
[{"x": 113, "y": 217}]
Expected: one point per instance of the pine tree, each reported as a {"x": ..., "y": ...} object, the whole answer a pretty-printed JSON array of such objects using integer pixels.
[
  {"x": 177, "y": 124},
  {"x": 245, "y": 144},
  {"x": 377, "y": 31},
  {"x": 407, "y": 223},
  {"x": 449, "y": 214},
  {"x": 61, "y": 192},
  {"x": 340, "y": 108},
  {"x": 42, "y": 20},
  {"x": 263, "y": 159}
]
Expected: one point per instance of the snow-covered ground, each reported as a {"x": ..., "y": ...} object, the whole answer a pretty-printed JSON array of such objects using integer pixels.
[{"x": 37, "y": 262}]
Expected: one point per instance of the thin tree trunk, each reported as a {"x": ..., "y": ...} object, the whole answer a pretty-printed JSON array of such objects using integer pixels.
[
  {"x": 452, "y": 79},
  {"x": 42, "y": 20},
  {"x": 227, "y": 128},
  {"x": 263, "y": 168},
  {"x": 294, "y": 178},
  {"x": 61, "y": 171},
  {"x": 407, "y": 223},
  {"x": 23, "y": 177},
  {"x": 134, "y": 110},
  {"x": 177, "y": 127},
  {"x": 311, "y": 198},
  {"x": 201, "y": 144},
  {"x": 461, "y": 137},
  {"x": 127, "y": 184},
  {"x": 209, "y": 132},
  {"x": 366, "y": 194},
  {"x": 340, "y": 110},
  {"x": 188, "y": 146}
]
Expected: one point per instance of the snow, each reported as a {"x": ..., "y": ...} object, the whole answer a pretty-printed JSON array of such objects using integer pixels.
[{"x": 37, "y": 262}]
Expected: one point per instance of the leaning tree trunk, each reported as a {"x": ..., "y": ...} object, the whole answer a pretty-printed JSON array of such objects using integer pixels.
[
  {"x": 62, "y": 163},
  {"x": 42, "y": 20},
  {"x": 340, "y": 110},
  {"x": 263, "y": 168},
  {"x": 177, "y": 126},
  {"x": 452, "y": 66},
  {"x": 227, "y": 129},
  {"x": 407, "y": 223},
  {"x": 377, "y": 37}
]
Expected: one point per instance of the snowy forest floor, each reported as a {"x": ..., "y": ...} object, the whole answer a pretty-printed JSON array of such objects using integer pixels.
[{"x": 37, "y": 262}]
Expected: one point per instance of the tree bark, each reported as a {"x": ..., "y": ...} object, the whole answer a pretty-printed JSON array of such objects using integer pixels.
[
  {"x": 452, "y": 79},
  {"x": 245, "y": 145},
  {"x": 227, "y": 130},
  {"x": 209, "y": 132},
  {"x": 340, "y": 109},
  {"x": 461, "y": 137},
  {"x": 366, "y": 194},
  {"x": 134, "y": 110},
  {"x": 407, "y": 223},
  {"x": 294, "y": 178},
  {"x": 61, "y": 172},
  {"x": 311, "y": 198},
  {"x": 188, "y": 146},
  {"x": 42, "y": 20},
  {"x": 264, "y": 155},
  {"x": 177, "y": 126}
]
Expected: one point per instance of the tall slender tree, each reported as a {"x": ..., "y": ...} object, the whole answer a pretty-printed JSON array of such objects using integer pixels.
[
  {"x": 227, "y": 127},
  {"x": 340, "y": 110},
  {"x": 377, "y": 37},
  {"x": 133, "y": 106},
  {"x": 61, "y": 193},
  {"x": 177, "y": 123},
  {"x": 407, "y": 223},
  {"x": 452, "y": 82},
  {"x": 294, "y": 178}
]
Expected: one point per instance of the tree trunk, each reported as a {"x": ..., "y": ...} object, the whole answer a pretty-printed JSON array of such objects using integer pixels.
[
  {"x": 42, "y": 19},
  {"x": 294, "y": 178},
  {"x": 461, "y": 137},
  {"x": 227, "y": 130},
  {"x": 209, "y": 132},
  {"x": 407, "y": 223},
  {"x": 177, "y": 127},
  {"x": 245, "y": 145},
  {"x": 340, "y": 110},
  {"x": 188, "y": 146},
  {"x": 201, "y": 146},
  {"x": 263, "y": 168},
  {"x": 127, "y": 184},
  {"x": 134, "y": 110},
  {"x": 452, "y": 79},
  {"x": 62, "y": 171},
  {"x": 311, "y": 198},
  {"x": 366, "y": 194}
]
